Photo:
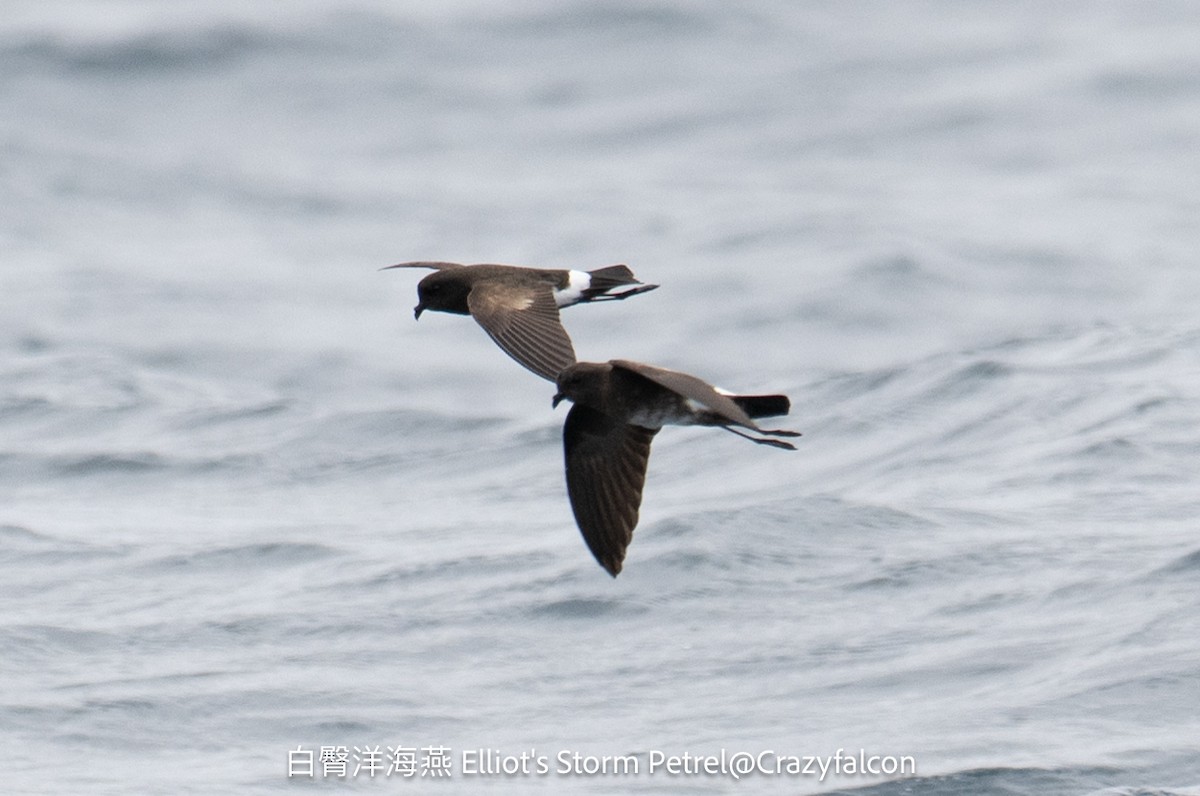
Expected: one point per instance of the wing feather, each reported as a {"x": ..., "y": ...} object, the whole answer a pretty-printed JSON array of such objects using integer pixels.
[
  {"x": 434, "y": 264},
  {"x": 525, "y": 323},
  {"x": 606, "y": 469},
  {"x": 690, "y": 387}
]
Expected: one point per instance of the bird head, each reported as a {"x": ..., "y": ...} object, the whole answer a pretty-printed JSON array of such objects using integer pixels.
[
  {"x": 443, "y": 291},
  {"x": 582, "y": 383}
]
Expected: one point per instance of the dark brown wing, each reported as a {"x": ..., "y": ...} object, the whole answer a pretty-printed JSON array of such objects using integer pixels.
[
  {"x": 524, "y": 322},
  {"x": 606, "y": 470},
  {"x": 690, "y": 387},
  {"x": 435, "y": 265}
]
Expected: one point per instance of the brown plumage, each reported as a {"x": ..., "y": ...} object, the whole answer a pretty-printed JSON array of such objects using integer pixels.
[
  {"x": 518, "y": 307},
  {"x": 618, "y": 408}
]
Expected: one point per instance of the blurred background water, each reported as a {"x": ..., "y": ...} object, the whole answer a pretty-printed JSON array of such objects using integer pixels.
[{"x": 248, "y": 506}]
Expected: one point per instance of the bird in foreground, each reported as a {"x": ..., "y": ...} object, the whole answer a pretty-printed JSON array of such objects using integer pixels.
[
  {"x": 618, "y": 408},
  {"x": 518, "y": 307}
]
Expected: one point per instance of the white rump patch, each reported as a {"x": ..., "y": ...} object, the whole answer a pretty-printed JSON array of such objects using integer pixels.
[
  {"x": 577, "y": 282},
  {"x": 724, "y": 392}
]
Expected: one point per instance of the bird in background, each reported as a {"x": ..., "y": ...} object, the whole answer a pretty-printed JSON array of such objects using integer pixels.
[
  {"x": 518, "y": 307},
  {"x": 618, "y": 408}
]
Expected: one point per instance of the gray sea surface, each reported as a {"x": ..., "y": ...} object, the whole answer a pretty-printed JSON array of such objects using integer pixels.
[{"x": 250, "y": 509}]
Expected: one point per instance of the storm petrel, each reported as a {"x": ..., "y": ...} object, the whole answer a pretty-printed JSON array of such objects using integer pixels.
[
  {"x": 518, "y": 307},
  {"x": 618, "y": 408}
]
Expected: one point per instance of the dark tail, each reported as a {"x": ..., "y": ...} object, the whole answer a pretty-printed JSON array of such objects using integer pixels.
[
  {"x": 610, "y": 278},
  {"x": 763, "y": 405}
]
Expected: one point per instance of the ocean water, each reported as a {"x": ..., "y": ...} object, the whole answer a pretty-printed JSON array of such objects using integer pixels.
[{"x": 250, "y": 509}]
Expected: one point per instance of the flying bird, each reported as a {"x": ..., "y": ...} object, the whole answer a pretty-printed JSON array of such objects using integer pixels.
[
  {"x": 518, "y": 307},
  {"x": 618, "y": 408}
]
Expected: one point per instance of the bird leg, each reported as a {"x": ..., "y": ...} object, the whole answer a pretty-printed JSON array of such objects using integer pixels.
[
  {"x": 775, "y": 443},
  {"x": 634, "y": 291}
]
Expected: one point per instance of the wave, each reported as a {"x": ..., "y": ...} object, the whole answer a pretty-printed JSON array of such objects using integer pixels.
[
  {"x": 145, "y": 53},
  {"x": 270, "y": 555},
  {"x": 1097, "y": 781}
]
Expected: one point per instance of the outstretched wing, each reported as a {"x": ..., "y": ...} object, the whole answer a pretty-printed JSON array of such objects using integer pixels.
[
  {"x": 606, "y": 470},
  {"x": 524, "y": 322},
  {"x": 690, "y": 387},
  {"x": 435, "y": 265}
]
